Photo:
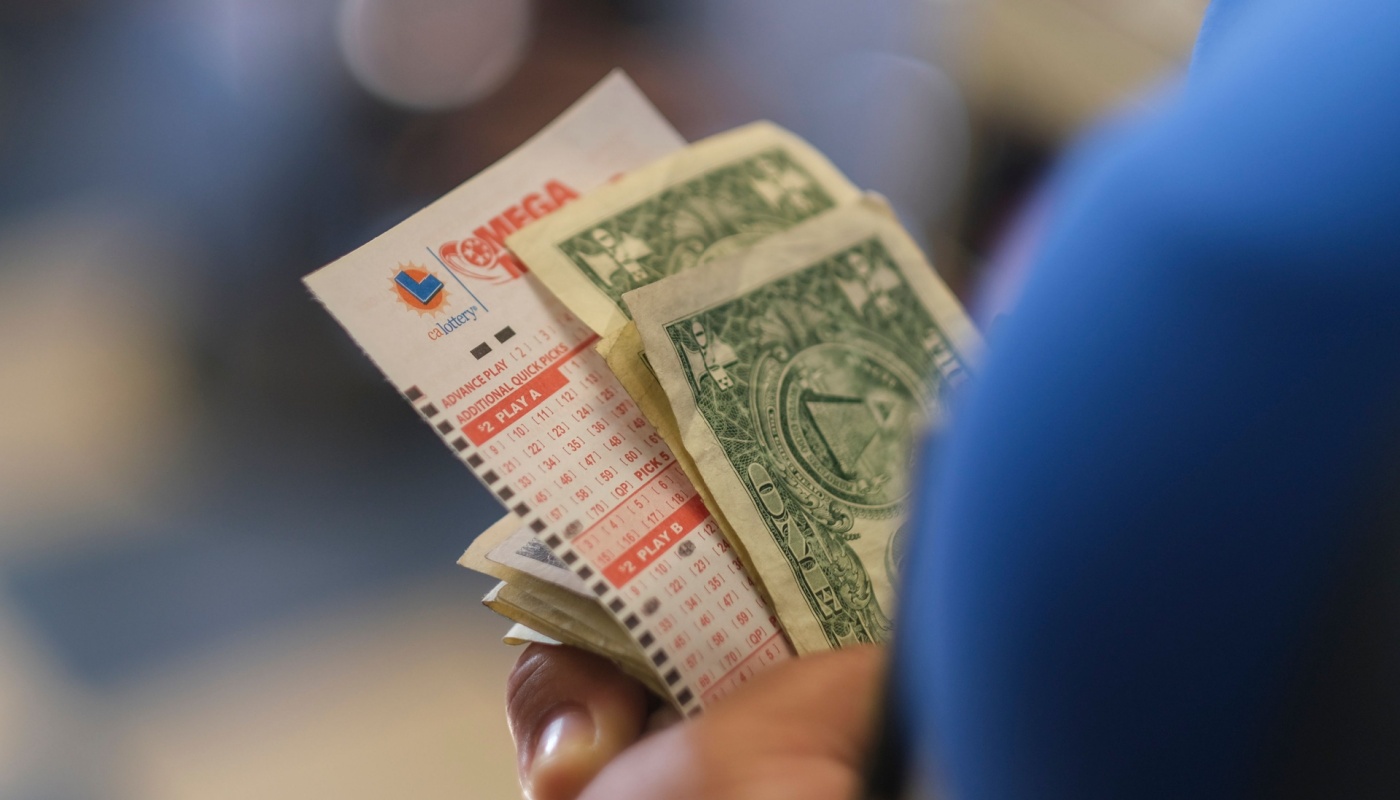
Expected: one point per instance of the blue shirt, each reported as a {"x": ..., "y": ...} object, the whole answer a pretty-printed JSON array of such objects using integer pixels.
[{"x": 1144, "y": 531}]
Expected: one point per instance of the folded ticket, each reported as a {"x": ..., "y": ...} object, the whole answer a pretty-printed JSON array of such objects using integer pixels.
[
  {"x": 509, "y": 378},
  {"x": 509, "y": 545}
]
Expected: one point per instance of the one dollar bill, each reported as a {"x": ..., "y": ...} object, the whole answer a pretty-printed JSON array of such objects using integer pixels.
[
  {"x": 801, "y": 373},
  {"x": 714, "y": 198}
]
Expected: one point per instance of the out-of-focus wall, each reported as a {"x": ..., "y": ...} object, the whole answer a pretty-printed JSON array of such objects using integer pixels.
[{"x": 1052, "y": 66}]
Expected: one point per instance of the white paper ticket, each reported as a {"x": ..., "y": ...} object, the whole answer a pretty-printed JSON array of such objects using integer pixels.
[{"x": 510, "y": 380}]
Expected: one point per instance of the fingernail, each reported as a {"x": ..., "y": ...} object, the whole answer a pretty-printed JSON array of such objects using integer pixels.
[{"x": 571, "y": 730}]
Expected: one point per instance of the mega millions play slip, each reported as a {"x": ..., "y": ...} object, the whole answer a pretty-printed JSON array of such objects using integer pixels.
[
  {"x": 694, "y": 375},
  {"x": 510, "y": 380}
]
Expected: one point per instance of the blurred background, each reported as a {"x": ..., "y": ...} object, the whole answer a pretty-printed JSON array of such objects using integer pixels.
[{"x": 226, "y": 547}]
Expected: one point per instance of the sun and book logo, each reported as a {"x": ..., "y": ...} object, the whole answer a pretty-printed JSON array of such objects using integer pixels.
[{"x": 419, "y": 289}]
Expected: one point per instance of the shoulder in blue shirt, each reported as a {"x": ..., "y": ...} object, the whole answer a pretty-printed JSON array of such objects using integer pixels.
[{"x": 1174, "y": 465}]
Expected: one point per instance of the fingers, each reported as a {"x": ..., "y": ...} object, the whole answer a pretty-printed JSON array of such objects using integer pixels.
[
  {"x": 571, "y": 713},
  {"x": 796, "y": 732}
]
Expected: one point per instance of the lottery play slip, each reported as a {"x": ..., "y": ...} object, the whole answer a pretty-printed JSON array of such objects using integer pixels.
[{"x": 510, "y": 380}]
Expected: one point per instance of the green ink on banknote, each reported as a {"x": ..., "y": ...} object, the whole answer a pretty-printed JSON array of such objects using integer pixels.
[
  {"x": 815, "y": 385},
  {"x": 722, "y": 211}
]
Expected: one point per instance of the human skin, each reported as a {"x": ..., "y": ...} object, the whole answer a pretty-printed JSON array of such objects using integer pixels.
[{"x": 800, "y": 730}]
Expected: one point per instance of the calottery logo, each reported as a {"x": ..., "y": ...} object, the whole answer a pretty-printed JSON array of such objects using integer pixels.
[
  {"x": 483, "y": 255},
  {"x": 419, "y": 289}
]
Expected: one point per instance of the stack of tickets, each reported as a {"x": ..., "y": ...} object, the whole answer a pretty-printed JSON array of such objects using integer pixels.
[{"x": 695, "y": 376}]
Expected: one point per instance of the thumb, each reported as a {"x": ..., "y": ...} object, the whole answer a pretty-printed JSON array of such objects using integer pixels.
[
  {"x": 570, "y": 712},
  {"x": 796, "y": 732}
]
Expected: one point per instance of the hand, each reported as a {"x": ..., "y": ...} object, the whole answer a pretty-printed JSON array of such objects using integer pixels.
[{"x": 798, "y": 730}]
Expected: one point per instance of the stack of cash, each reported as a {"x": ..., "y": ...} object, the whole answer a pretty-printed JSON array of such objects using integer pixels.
[{"x": 696, "y": 375}]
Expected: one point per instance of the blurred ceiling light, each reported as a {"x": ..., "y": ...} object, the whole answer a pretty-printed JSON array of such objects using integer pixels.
[{"x": 433, "y": 54}]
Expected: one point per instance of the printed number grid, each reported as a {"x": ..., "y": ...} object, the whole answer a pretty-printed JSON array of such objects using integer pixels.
[{"x": 602, "y": 489}]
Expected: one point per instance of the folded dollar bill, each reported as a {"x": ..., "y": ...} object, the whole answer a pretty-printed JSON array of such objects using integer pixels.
[
  {"x": 799, "y": 373},
  {"x": 718, "y": 196}
]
